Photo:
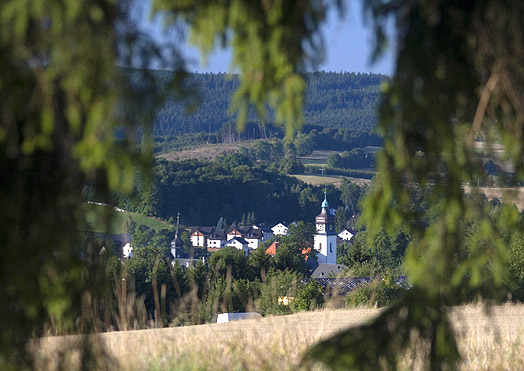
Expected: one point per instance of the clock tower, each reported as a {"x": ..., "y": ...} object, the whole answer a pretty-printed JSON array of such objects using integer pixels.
[{"x": 326, "y": 238}]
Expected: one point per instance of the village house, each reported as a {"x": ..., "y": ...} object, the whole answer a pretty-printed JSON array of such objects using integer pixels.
[
  {"x": 215, "y": 239},
  {"x": 280, "y": 229},
  {"x": 346, "y": 235},
  {"x": 239, "y": 243}
]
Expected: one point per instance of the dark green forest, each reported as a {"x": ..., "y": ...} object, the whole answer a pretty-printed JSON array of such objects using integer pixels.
[
  {"x": 232, "y": 186},
  {"x": 334, "y": 100}
]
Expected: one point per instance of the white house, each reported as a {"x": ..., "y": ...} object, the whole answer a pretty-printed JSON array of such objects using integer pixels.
[
  {"x": 239, "y": 243},
  {"x": 216, "y": 239},
  {"x": 199, "y": 236},
  {"x": 127, "y": 251},
  {"x": 267, "y": 233},
  {"x": 345, "y": 235},
  {"x": 280, "y": 229}
]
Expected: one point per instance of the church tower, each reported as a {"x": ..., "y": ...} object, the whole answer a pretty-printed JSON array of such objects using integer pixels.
[
  {"x": 177, "y": 245},
  {"x": 326, "y": 238}
]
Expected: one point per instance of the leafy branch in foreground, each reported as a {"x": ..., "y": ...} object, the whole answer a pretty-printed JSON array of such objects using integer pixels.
[{"x": 458, "y": 75}]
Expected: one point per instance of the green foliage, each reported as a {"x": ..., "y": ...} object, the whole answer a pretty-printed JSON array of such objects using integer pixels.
[
  {"x": 340, "y": 219},
  {"x": 230, "y": 261},
  {"x": 266, "y": 52},
  {"x": 345, "y": 100},
  {"x": 379, "y": 293},
  {"x": 278, "y": 284},
  {"x": 65, "y": 122},
  {"x": 289, "y": 254},
  {"x": 309, "y": 297},
  {"x": 232, "y": 185},
  {"x": 458, "y": 67},
  {"x": 357, "y": 158},
  {"x": 366, "y": 258},
  {"x": 259, "y": 262},
  {"x": 516, "y": 266}
]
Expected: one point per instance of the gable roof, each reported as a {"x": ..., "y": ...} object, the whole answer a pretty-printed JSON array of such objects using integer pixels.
[
  {"x": 206, "y": 231},
  {"x": 238, "y": 239},
  {"x": 324, "y": 270},
  {"x": 218, "y": 234},
  {"x": 272, "y": 250}
]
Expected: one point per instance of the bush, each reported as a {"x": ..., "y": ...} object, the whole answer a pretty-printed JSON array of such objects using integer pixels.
[
  {"x": 279, "y": 284},
  {"x": 309, "y": 297},
  {"x": 378, "y": 293}
]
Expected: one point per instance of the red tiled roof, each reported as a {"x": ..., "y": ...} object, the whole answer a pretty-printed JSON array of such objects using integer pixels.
[
  {"x": 305, "y": 252},
  {"x": 272, "y": 250}
]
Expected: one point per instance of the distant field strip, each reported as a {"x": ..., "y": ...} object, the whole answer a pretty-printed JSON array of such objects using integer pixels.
[
  {"x": 319, "y": 179},
  {"x": 486, "y": 342},
  {"x": 330, "y": 179},
  {"x": 206, "y": 152},
  {"x": 513, "y": 195},
  {"x": 316, "y": 158}
]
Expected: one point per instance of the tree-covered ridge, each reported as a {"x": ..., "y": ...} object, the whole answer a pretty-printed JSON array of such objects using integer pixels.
[
  {"x": 335, "y": 100},
  {"x": 205, "y": 191}
]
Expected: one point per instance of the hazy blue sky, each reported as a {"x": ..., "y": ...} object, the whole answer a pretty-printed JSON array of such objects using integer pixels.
[{"x": 348, "y": 46}]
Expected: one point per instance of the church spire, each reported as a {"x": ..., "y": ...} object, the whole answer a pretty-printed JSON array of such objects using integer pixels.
[
  {"x": 177, "y": 242},
  {"x": 325, "y": 203}
]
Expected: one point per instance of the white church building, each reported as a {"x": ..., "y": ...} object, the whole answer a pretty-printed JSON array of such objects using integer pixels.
[{"x": 325, "y": 242}]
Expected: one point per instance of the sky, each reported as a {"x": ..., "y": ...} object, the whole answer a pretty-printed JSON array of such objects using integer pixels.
[{"x": 347, "y": 42}]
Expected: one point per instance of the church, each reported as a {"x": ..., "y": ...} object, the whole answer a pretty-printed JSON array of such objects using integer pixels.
[{"x": 325, "y": 242}]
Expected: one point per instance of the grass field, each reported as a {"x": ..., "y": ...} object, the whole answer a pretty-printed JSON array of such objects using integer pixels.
[
  {"x": 96, "y": 218},
  {"x": 330, "y": 179},
  {"x": 316, "y": 158},
  {"x": 278, "y": 343},
  {"x": 320, "y": 179},
  {"x": 207, "y": 151}
]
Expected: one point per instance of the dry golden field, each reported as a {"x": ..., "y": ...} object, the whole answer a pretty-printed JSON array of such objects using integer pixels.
[{"x": 278, "y": 343}]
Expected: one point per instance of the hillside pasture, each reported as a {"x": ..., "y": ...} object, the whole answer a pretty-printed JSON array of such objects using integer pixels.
[
  {"x": 97, "y": 218},
  {"x": 207, "y": 151},
  {"x": 335, "y": 180},
  {"x": 486, "y": 342},
  {"x": 317, "y": 180},
  {"x": 316, "y": 158}
]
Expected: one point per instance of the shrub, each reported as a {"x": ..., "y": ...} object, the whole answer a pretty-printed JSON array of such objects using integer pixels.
[
  {"x": 379, "y": 293},
  {"x": 309, "y": 297}
]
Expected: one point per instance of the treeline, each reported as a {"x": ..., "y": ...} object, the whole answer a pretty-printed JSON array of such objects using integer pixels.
[
  {"x": 229, "y": 281},
  {"x": 232, "y": 186},
  {"x": 335, "y": 100},
  {"x": 357, "y": 158},
  {"x": 311, "y": 137},
  {"x": 203, "y": 192}
]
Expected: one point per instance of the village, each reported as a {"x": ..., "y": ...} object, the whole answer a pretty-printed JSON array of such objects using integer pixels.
[{"x": 251, "y": 237}]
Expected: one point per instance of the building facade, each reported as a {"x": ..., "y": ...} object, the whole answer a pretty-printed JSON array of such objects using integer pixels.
[{"x": 325, "y": 242}]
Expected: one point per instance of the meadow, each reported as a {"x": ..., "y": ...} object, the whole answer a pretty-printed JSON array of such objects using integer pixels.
[
  {"x": 487, "y": 342},
  {"x": 96, "y": 217}
]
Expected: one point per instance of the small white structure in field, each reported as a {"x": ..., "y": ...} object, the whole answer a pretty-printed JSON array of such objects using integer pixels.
[{"x": 228, "y": 317}]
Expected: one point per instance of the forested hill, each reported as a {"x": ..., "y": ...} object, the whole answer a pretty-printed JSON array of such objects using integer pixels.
[{"x": 335, "y": 100}]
